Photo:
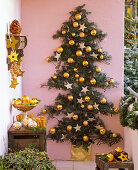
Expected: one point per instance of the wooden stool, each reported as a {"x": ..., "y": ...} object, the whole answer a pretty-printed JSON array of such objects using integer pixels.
[
  {"x": 20, "y": 139},
  {"x": 105, "y": 165}
]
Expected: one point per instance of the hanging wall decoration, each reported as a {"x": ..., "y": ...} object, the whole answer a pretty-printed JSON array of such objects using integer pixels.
[{"x": 15, "y": 43}]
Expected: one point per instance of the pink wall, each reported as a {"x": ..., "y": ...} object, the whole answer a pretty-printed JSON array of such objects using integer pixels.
[{"x": 40, "y": 20}]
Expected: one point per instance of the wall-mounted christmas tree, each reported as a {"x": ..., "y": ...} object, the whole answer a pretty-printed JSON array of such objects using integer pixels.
[{"x": 78, "y": 76}]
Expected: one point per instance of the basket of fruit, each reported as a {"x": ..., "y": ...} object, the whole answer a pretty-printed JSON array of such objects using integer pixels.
[{"x": 25, "y": 104}]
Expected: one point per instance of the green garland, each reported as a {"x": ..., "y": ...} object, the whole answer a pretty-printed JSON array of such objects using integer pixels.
[
  {"x": 36, "y": 128},
  {"x": 130, "y": 69},
  {"x": 128, "y": 110}
]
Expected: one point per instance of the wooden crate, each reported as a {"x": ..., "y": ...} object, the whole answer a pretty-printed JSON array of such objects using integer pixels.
[
  {"x": 105, "y": 165},
  {"x": 20, "y": 139}
]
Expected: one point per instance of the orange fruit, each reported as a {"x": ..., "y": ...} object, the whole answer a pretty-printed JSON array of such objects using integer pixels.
[
  {"x": 17, "y": 102},
  {"x": 25, "y": 99},
  {"x": 33, "y": 101}
]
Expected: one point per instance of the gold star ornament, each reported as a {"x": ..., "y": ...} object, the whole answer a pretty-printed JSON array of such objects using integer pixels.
[
  {"x": 14, "y": 83},
  {"x": 20, "y": 73},
  {"x": 123, "y": 157},
  {"x": 8, "y": 43},
  {"x": 11, "y": 42},
  {"x": 13, "y": 56}
]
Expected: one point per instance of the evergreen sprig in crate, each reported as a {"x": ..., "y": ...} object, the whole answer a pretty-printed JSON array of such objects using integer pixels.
[
  {"x": 22, "y": 138},
  {"x": 105, "y": 165}
]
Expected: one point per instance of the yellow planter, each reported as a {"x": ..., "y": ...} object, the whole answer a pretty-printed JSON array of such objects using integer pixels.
[{"x": 80, "y": 154}]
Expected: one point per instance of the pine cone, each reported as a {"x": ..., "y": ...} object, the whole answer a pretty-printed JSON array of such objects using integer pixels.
[{"x": 15, "y": 27}]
